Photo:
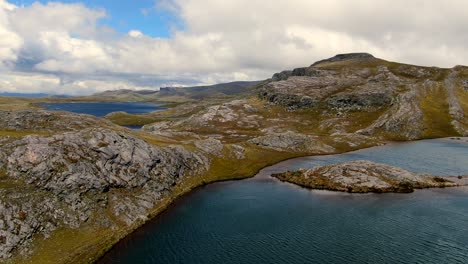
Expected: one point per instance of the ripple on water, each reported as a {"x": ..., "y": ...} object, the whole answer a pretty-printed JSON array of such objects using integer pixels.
[{"x": 266, "y": 221}]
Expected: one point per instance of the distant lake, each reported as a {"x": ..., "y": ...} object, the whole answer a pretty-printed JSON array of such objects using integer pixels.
[
  {"x": 262, "y": 220},
  {"x": 101, "y": 109}
]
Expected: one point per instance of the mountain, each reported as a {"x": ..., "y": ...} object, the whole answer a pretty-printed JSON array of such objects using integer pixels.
[
  {"x": 73, "y": 185},
  {"x": 410, "y": 101},
  {"x": 30, "y": 95},
  {"x": 177, "y": 94}
]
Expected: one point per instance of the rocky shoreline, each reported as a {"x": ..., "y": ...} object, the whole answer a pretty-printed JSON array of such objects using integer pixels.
[
  {"x": 364, "y": 176},
  {"x": 73, "y": 185}
]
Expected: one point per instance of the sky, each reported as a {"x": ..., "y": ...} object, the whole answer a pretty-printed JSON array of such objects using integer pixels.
[{"x": 83, "y": 47}]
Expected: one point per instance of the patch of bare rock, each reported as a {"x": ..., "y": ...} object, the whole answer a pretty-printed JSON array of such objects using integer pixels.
[
  {"x": 65, "y": 180},
  {"x": 365, "y": 176}
]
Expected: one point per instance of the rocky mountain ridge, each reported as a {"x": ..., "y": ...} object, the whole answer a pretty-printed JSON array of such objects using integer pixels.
[{"x": 67, "y": 173}]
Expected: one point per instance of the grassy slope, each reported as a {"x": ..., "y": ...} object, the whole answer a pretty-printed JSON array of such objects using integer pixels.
[
  {"x": 436, "y": 114},
  {"x": 88, "y": 243},
  {"x": 17, "y": 103}
]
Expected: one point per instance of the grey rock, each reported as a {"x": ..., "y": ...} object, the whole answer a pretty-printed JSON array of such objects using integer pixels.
[
  {"x": 210, "y": 145},
  {"x": 403, "y": 119},
  {"x": 49, "y": 121},
  {"x": 364, "y": 176},
  {"x": 455, "y": 108},
  {"x": 68, "y": 178},
  {"x": 354, "y": 101},
  {"x": 291, "y": 141},
  {"x": 281, "y": 76},
  {"x": 238, "y": 151},
  {"x": 465, "y": 85}
]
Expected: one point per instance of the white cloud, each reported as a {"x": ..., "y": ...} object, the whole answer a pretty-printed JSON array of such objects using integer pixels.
[
  {"x": 10, "y": 42},
  {"x": 135, "y": 33},
  {"x": 17, "y": 82},
  {"x": 220, "y": 41}
]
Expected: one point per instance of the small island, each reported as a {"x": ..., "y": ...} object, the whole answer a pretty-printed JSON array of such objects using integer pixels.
[{"x": 367, "y": 177}]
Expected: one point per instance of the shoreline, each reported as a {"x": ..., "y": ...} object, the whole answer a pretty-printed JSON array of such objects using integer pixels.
[{"x": 94, "y": 251}]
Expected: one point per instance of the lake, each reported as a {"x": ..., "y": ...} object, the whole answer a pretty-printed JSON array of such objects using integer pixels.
[
  {"x": 262, "y": 220},
  {"x": 101, "y": 109}
]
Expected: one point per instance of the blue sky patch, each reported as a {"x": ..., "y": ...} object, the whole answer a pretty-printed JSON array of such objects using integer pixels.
[{"x": 124, "y": 16}]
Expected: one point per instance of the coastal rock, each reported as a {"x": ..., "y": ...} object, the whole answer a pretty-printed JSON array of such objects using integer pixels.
[
  {"x": 93, "y": 159},
  {"x": 66, "y": 179},
  {"x": 363, "y": 177}
]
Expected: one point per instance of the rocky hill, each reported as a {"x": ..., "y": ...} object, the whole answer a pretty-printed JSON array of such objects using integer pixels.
[
  {"x": 414, "y": 102},
  {"x": 72, "y": 185},
  {"x": 176, "y": 94}
]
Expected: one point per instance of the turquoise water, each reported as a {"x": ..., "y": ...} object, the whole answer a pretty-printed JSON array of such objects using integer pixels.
[{"x": 262, "y": 220}]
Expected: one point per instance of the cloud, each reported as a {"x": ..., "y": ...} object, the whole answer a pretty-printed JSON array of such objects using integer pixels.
[
  {"x": 10, "y": 42},
  {"x": 219, "y": 41},
  {"x": 18, "y": 82}
]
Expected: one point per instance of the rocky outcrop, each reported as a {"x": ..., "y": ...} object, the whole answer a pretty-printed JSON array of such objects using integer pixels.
[
  {"x": 48, "y": 121},
  {"x": 455, "y": 109},
  {"x": 77, "y": 175},
  {"x": 365, "y": 176},
  {"x": 400, "y": 94},
  {"x": 344, "y": 57},
  {"x": 210, "y": 146},
  {"x": 365, "y": 99},
  {"x": 355, "y": 89},
  {"x": 299, "y": 92},
  {"x": 465, "y": 84},
  {"x": 291, "y": 141},
  {"x": 403, "y": 119}
]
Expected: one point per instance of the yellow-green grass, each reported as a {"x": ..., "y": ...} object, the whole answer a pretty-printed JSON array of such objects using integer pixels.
[
  {"x": 125, "y": 119},
  {"x": 21, "y": 133},
  {"x": 87, "y": 244},
  {"x": 16, "y": 103},
  {"x": 436, "y": 116}
]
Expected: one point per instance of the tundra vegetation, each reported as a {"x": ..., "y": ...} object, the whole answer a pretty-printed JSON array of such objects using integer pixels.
[{"x": 73, "y": 185}]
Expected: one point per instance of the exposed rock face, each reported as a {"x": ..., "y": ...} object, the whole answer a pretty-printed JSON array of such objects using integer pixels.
[
  {"x": 48, "y": 121},
  {"x": 365, "y": 176},
  {"x": 291, "y": 141},
  {"x": 403, "y": 118},
  {"x": 465, "y": 85},
  {"x": 368, "y": 97},
  {"x": 358, "y": 82},
  {"x": 225, "y": 118},
  {"x": 455, "y": 109},
  {"x": 76, "y": 175},
  {"x": 210, "y": 145},
  {"x": 313, "y": 86},
  {"x": 305, "y": 92}
]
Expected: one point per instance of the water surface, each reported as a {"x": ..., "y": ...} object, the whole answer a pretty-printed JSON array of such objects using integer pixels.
[
  {"x": 101, "y": 109},
  {"x": 262, "y": 220}
]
